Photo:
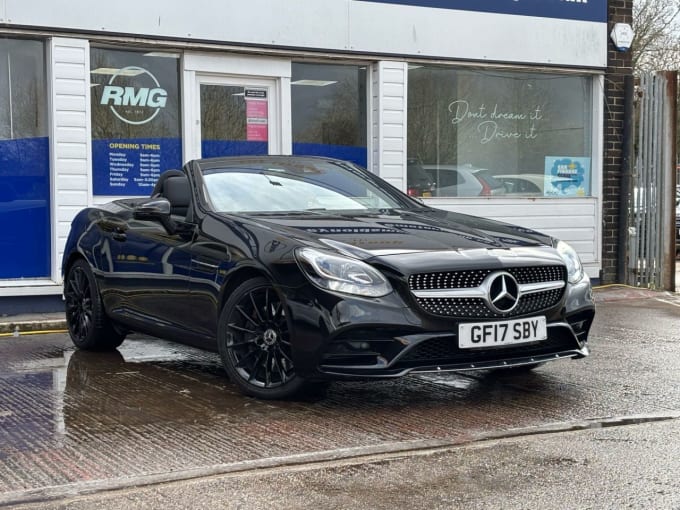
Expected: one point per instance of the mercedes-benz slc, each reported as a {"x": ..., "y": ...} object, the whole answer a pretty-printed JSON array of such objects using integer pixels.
[{"x": 304, "y": 269}]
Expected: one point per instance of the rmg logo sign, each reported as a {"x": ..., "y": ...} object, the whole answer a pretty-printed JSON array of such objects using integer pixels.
[{"x": 134, "y": 105}]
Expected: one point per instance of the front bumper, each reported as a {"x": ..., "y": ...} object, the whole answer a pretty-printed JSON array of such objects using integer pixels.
[
  {"x": 348, "y": 337},
  {"x": 435, "y": 352}
]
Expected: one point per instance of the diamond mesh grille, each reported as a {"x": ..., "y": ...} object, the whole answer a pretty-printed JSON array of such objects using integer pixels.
[{"x": 476, "y": 307}]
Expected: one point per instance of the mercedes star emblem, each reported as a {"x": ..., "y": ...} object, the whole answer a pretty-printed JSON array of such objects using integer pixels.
[{"x": 503, "y": 292}]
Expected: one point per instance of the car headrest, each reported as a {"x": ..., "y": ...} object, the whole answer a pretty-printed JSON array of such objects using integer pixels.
[
  {"x": 176, "y": 190},
  {"x": 158, "y": 188}
]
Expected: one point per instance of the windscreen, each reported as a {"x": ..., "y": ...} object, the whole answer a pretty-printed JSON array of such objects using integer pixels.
[{"x": 296, "y": 186}]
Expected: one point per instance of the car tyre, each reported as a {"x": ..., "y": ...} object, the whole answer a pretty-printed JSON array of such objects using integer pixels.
[
  {"x": 88, "y": 325},
  {"x": 254, "y": 342}
]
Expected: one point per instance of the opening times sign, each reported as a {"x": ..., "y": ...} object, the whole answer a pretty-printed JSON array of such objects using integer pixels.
[
  {"x": 132, "y": 167},
  {"x": 135, "y": 120}
]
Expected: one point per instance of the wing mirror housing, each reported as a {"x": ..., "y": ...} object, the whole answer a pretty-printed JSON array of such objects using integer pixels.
[{"x": 156, "y": 209}]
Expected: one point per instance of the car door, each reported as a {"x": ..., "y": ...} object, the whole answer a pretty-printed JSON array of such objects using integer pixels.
[
  {"x": 147, "y": 280},
  {"x": 220, "y": 246}
]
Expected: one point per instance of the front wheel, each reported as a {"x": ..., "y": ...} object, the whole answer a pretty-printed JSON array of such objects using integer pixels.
[
  {"x": 254, "y": 342},
  {"x": 88, "y": 324}
]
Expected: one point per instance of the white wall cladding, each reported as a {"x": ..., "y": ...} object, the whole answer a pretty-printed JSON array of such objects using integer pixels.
[
  {"x": 356, "y": 26},
  {"x": 575, "y": 221},
  {"x": 70, "y": 151},
  {"x": 389, "y": 121}
]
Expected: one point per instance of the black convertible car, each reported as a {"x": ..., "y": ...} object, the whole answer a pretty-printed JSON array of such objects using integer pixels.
[{"x": 299, "y": 269}]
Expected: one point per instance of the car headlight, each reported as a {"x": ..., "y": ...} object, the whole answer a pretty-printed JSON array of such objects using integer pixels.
[
  {"x": 342, "y": 274},
  {"x": 571, "y": 258}
]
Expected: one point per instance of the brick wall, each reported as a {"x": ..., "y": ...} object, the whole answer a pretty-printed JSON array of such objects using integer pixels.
[{"x": 618, "y": 66}]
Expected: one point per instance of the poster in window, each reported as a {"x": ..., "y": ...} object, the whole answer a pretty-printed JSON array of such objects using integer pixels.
[
  {"x": 567, "y": 176},
  {"x": 135, "y": 120},
  {"x": 257, "y": 113}
]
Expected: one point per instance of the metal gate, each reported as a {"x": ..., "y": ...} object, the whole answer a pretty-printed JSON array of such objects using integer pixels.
[{"x": 651, "y": 211}]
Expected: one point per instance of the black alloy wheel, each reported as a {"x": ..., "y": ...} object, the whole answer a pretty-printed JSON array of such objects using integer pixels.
[
  {"x": 255, "y": 343},
  {"x": 88, "y": 324}
]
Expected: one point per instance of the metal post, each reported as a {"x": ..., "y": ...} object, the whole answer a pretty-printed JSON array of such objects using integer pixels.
[
  {"x": 668, "y": 181},
  {"x": 625, "y": 203}
]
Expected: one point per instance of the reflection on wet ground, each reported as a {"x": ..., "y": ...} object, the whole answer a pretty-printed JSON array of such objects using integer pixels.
[{"x": 157, "y": 407}]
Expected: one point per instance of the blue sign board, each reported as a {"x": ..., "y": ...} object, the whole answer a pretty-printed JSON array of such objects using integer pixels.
[
  {"x": 581, "y": 10},
  {"x": 131, "y": 166},
  {"x": 136, "y": 130}
]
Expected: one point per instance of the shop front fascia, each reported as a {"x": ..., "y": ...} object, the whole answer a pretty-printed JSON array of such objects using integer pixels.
[{"x": 376, "y": 48}]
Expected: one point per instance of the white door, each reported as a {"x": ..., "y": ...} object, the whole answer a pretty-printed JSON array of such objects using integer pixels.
[
  {"x": 235, "y": 105},
  {"x": 236, "y": 116}
]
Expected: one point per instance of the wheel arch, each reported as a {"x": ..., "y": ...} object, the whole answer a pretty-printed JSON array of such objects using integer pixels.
[
  {"x": 237, "y": 278},
  {"x": 70, "y": 260}
]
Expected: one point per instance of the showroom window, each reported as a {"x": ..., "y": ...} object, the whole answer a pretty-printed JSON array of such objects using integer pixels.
[
  {"x": 136, "y": 122},
  {"x": 329, "y": 111},
  {"x": 478, "y": 132},
  {"x": 24, "y": 161}
]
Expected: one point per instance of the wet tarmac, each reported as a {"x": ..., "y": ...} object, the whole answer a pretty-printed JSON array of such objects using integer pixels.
[
  {"x": 156, "y": 411},
  {"x": 632, "y": 467}
]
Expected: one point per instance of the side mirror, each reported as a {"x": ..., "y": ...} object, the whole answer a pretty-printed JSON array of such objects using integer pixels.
[{"x": 156, "y": 209}]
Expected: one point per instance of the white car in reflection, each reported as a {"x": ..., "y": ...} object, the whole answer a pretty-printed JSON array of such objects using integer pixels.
[
  {"x": 463, "y": 181},
  {"x": 535, "y": 184}
]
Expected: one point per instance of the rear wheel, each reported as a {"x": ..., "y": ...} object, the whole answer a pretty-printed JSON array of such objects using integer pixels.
[
  {"x": 255, "y": 344},
  {"x": 88, "y": 324}
]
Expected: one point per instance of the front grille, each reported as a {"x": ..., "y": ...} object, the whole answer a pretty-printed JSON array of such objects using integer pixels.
[
  {"x": 448, "y": 280},
  {"x": 469, "y": 307}
]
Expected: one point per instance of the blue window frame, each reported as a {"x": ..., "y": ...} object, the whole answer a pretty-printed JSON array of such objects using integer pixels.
[{"x": 25, "y": 236}]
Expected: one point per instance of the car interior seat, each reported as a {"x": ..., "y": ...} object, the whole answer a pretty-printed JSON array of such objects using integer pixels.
[
  {"x": 158, "y": 188},
  {"x": 174, "y": 186}
]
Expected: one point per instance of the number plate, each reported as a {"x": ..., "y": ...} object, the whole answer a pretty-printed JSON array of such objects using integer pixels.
[{"x": 502, "y": 333}]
